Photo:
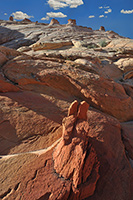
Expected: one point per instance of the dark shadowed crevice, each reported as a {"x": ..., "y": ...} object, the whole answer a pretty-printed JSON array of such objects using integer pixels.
[
  {"x": 45, "y": 196},
  {"x": 5, "y": 193}
]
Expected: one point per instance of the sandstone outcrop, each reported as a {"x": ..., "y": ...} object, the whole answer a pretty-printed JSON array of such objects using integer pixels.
[
  {"x": 103, "y": 94},
  {"x": 54, "y": 22},
  {"x": 127, "y": 134},
  {"x": 102, "y": 28},
  {"x": 125, "y": 64},
  {"x": 91, "y": 167},
  {"x": 11, "y": 18},
  {"x": 47, "y": 46},
  {"x": 70, "y": 157},
  {"x": 71, "y": 22},
  {"x": 88, "y": 154},
  {"x": 3, "y": 59},
  {"x": 26, "y": 20},
  {"x": 6, "y": 86}
]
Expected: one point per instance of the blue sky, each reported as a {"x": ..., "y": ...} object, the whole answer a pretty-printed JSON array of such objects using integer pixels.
[{"x": 116, "y": 15}]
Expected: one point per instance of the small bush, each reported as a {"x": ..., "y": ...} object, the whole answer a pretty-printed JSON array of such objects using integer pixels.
[
  {"x": 92, "y": 46},
  {"x": 103, "y": 43}
]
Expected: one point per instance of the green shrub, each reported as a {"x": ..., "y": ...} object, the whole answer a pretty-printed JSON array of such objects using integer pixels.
[
  {"x": 103, "y": 43},
  {"x": 92, "y": 46}
]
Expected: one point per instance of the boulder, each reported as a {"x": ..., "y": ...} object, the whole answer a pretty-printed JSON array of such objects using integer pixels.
[
  {"x": 54, "y": 22},
  {"x": 71, "y": 22}
]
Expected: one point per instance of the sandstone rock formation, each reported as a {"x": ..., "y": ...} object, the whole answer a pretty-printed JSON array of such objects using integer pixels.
[
  {"x": 102, "y": 28},
  {"x": 70, "y": 157},
  {"x": 7, "y": 86},
  {"x": 26, "y": 20},
  {"x": 127, "y": 134},
  {"x": 125, "y": 64},
  {"x": 89, "y": 162},
  {"x": 54, "y": 22},
  {"x": 46, "y": 46},
  {"x": 88, "y": 154},
  {"x": 11, "y": 18},
  {"x": 71, "y": 22}
]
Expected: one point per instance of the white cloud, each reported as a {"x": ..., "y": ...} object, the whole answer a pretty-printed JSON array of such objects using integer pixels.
[
  {"x": 57, "y": 4},
  {"x": 57, "y": 15},
  {"x": 5, "y": 13},
  {"x": 20, "y": 15},
  {"x": 45, "y": 18},
  {"x": 108, "y": 11},
  {"x": 100, "y": 16},
  {"x": 106, "y": 6},
  {"x": 54, "y": 15},
  {"x": 100, "y": 7},
  {"x": 127, "y": 11},
  {"x": 91, "y": 16}
]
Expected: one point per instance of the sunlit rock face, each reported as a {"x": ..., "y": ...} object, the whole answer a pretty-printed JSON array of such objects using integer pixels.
[
  {"x": 71, "y": 22},
  {"x": 66, "y": 102},
  {"x": 54, "y": 21}
]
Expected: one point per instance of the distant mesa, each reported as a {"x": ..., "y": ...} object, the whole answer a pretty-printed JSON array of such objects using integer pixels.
[
  {"x": 53, "y": 22},
  {"x": 101, "y": 28},
  {"x": 11, "y": 18},
  {"x": 26, "y": 20},
  {"x": 90, "y": 28},
  {"x": 71, "y": 22}
]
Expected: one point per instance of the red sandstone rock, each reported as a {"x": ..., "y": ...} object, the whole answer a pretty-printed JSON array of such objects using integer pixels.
[
  {"x": 70, "y": 157},
  {"x": 9, "y": 53},
  {"x": 82, "y": 111},
  {"x": 30, "y": 120},
  {"x": 127, "y": 134},
  {"x": 54, "y": 21},
  {"x": 95, "y": 152},
  {"x": 3, "y": 59},
  {"x": 73, "y": 109},
  {"x": 103, "y": 94},
  {"x": 11, "y": 18},
  {"x": 102, "y": 28},
  {"x": 88, "y": 162},
  {"x": 6, "y": 86},
  {"x": 71, "y": 22},
  {"x": 26, "y": 20}
]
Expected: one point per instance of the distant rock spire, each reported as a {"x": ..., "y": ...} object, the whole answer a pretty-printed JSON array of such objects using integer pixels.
[
  {"x": 71, "y": 22},
  {"x": 54, "y": 21},
  {"x": 11, "y": 18},
  {"x": 102, "y": 28}
]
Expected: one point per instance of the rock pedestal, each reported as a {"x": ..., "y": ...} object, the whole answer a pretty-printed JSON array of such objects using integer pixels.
[
  {"x": 71, "y": 22},
  {"x": 71, "y": 158},
  {"x": 53, "y": 22},
  {"x": 11, "y": 18},
  {"x": 102, "y": 28}
]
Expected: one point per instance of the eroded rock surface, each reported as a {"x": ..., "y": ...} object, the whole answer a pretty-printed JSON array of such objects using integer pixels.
[
  {"x": 52, "y": 66},
  {"x": 89, "y": 162}
]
